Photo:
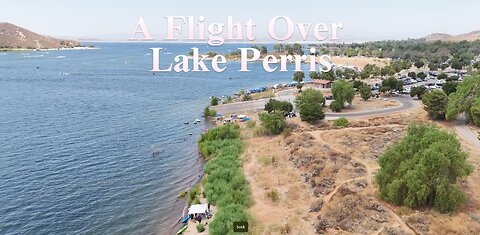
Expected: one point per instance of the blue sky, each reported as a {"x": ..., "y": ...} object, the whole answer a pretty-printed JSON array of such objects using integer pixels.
[{"x": 363, "y": 20}]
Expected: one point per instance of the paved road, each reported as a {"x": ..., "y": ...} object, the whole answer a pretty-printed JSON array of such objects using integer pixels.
[
  {"x": 465, "y": 132},
  {"x": 254, "y": 105},
  {"x": 288, "y": 95},
  {"x": 406, "y": 103}
]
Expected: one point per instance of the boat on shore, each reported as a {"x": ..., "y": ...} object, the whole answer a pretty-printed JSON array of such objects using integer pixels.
[
  {"x": 184, "y": 220},
  {"x": 182, "y": 229}
]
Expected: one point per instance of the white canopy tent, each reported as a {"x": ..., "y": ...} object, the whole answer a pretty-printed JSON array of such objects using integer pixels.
[{"x": 198, "y": 209}]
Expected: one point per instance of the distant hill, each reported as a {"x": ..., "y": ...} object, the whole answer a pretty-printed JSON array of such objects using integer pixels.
[
  {"x": 15, "y": 37},
  {"x": 472, "y": 36}
]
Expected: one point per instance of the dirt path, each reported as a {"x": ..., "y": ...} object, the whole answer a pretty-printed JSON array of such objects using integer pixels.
[
  {"x": 326, "y": 198},
  {"x": 289, "y": 210}
]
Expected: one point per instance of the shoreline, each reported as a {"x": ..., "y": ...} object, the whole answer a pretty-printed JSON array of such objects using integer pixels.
[{"x": 48, "y": 49}]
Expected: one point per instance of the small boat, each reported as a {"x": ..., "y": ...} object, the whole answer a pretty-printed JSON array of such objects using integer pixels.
[
  {"x": 186, "y": 123},
  {"x": 182, "y": 229},
  {"x": 184, "y": 220},
  {"x": 190, "y": 133},
  {"x": 196, "y": 121}
]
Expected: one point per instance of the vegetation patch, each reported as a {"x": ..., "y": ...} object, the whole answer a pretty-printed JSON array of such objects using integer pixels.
[
  {"x": 423, "y": 169},
  {"x": 225, "y": 185}
]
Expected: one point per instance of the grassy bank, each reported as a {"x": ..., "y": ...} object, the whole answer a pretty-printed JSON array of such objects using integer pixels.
[{"x": 225, "y": 184}]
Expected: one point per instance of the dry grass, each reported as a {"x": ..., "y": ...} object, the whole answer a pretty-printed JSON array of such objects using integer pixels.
[{"x": 322, "y": 180}]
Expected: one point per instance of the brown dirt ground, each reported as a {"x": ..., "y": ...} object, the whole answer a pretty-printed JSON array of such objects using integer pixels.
[
  {"x": 324, "y": 178},
  {"x": 360, "y": 61},
  {"x": 372, "y": 104}
]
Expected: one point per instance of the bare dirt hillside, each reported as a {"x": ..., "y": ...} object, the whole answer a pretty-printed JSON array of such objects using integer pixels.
[
  {"x": 472, "y": 36},
  {"x": 15, "y": 37}
]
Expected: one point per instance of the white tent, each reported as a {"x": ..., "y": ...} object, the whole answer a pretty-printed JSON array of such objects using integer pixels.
[{"x": 198, "y": 209}]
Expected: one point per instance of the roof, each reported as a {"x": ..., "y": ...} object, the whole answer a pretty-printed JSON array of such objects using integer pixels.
[
  {"x": 321, "y": 81},
  {"x": 198, "y": 209}
]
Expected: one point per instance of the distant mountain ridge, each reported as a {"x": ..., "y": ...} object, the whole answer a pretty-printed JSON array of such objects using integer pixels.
[
  {"x": 15, "y": 37},
  {"x": 472, "y": 36}
]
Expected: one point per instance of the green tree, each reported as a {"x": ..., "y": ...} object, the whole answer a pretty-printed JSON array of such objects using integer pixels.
[
  {"x": 411, "y": 74},
  {"x": 343, "y": 91},
  {"x": 214, "y": 101},
  {"x": 263, "y": 50},
  {"x": 419, "y": 64},
  {"x": 298, "y": 76},
  {"x": 276, "y": 105},
  {"x": 449, "y": 87},
  {"x": 335, "y": 106},
  {"x": 391, "y": 84},
  {"x": 278, "y": 47},
  {"x": 462, "y": 100},
  {"x": 452, "y": 78},
  {"x": 365, "y": 92},
  {"x": 310, "y": 104},
  {"x": 314, "y": 75},
  {"x": 330, "y": 75},
  {"x": 475, "y": 112},
  {"x": 435, "y": 103},
  {"x": 421, "y": 75},
  {"x": 273, "y": 122},
  {"x": 422, "y": 169},
  {"x": 387, "y": 70},
  {"x": 456, "y": 64},
  {"x": 417, "y": 91},
  {"x": 433, "y": 66},
  {"x": 442, "y": 76}
]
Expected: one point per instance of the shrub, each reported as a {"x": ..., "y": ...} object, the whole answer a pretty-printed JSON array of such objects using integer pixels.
[
  {"x": 335, "y": 106},
  {"x": 196, "y": 200},
  {"x": 265, "y": 161},
  {"x": 422, "y": 169},
  {"x": 276, "y": 105},
  {"x": 287, "y": 132},
  {"x": 229, "y": 99},
  {"x": 273, "y": 195},
  {"x": 260, "y": 131},
  {"x": 224, "y": 218},
  {"x": 251, "y": 124},
  {"x": 192, "y": 194},
  {"x": 207, "y": 112},
  {"x": 214, "y": 101},
  {"x": 228, "y": 131},
  {"x": 200, "y": 228},
  {"x": 475, "y": 112},
  {"x": 274, "y": 123},
  {"x": 435, "y": 103},
  {"x": 365, "y": 92},
  {"x": 342, "y": 122},
  {"x": 225, "y": 185},
  {"x": 310, "y": 103}
]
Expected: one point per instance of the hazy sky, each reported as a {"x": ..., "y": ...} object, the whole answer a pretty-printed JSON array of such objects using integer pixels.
[{"x": 363, "y": 20}]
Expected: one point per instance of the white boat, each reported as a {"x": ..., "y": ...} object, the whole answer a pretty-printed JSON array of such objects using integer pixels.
[{"x": 196, "y": 121}]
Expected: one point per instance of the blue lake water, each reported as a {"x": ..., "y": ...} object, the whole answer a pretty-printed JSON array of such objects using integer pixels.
[{"x": 76, "y": 135}]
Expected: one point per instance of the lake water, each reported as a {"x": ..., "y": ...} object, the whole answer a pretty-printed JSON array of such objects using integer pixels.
[{"x": 77, "y": 128}]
